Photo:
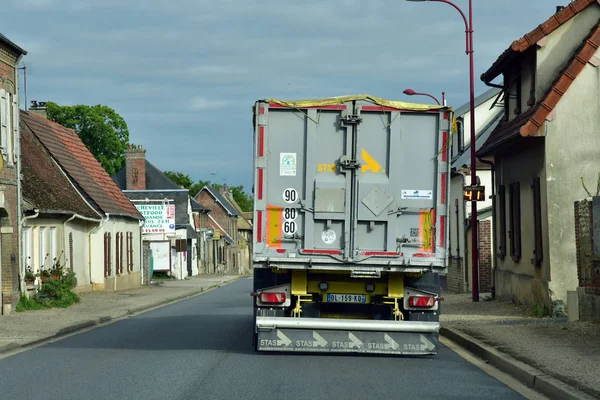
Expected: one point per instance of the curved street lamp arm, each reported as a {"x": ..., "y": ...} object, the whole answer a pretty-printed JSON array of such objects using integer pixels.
[
  {"x": 468, "y": 29},
  {"x": 428, "y": 95}
]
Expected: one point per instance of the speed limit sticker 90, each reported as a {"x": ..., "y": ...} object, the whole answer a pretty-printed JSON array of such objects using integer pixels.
[{"x": 290, "y": 196}]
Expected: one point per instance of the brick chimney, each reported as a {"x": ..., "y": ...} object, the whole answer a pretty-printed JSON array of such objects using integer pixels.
[
  {"x": 135, "y": 168},
  {"x": 38, "y": 107},
  {"x": 224, "y": 190}
]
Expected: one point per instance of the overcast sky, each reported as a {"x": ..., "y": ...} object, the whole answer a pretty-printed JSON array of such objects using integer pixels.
[{"x": 185, "y": 73}]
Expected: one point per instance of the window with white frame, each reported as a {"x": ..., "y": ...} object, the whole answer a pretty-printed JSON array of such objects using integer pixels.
[
  {"x": 27, "y": 261},
  {"x": 52, "y": 246},
  {"x": 43, "y": 247},
  {"x": 8, "y": 109}
]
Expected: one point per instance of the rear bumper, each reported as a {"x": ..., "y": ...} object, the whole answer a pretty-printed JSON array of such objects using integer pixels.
[{"x": 346, "y": 335}]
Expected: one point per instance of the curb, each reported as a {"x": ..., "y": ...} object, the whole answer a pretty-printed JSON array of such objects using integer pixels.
[
  {"x": 530, "y": 376},
  {"x": 102, "y": 320}
]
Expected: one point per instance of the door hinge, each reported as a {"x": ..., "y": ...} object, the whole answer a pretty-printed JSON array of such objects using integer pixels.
[
  {"x": 347, "y": 163},
  {"x": 350, "y": 119}
]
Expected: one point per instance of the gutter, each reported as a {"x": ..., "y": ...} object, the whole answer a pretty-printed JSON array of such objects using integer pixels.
[
  {"x": 494, "y": 259},
  {"x": 17, "y": 150}
]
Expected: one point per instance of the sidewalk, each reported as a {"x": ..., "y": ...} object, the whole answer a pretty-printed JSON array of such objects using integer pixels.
[
  {"x": 20, "y": 329},
  {"x": 557, "y": 357}
]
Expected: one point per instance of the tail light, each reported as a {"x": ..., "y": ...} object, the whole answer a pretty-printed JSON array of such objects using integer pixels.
[
  {"x": 421, "y": 301},
  {"x": 272, "y": 298}
]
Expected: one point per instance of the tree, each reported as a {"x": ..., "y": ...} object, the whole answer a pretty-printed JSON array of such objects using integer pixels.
[
  {"x": 180, "y": 179},
  {"x": 245, "y": 201},
  {"x": 102, "y": 130}
]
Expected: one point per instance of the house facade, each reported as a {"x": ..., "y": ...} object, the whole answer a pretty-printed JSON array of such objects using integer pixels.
[
  {"x": 173, "y": 236},
  {"x": 74, "y": 214},
  {"x": 245, "y": 230},
  {"x": 544, "y": 148},
  {"x": 223, "y": 249},
  {"x": 11, "y": 279},
  {"x": 488, "y": 113}
]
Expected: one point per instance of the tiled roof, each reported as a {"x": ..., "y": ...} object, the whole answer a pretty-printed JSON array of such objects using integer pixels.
[
  {"x": 221, "y": 200},
  {"x": 197, "y": 207},
  {"x": 79, "y": 163},
  {"x": 533, "y": 37},
  {"x": 505, "y": 133},
  {"x": 528, "y": 123},
  {"x": 582, "y": 56},
  {"x": 214, "y": 225},
  {"x": 45, "y": 186}
]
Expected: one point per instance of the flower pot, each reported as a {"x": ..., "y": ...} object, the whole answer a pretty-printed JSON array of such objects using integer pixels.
[
  {"x": 57, "y": 277},
  {"x": 44, "y": 278},
  {"x": 29, "y": 281}
]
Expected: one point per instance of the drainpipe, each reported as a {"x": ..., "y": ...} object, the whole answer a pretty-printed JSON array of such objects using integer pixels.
[
  {"x": 22, "y": 266},
  {"x": 142, "y": 223},
  {"x": 494, "y": 260},
  {"x": 465, "y": 238},
  {"x": 93, "y": 231},
  {"x": 17, "y": 150}
]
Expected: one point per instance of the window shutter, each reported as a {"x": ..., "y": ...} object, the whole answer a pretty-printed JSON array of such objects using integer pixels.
[
  {"x": 3, "y": 120},
  {"x": 15, "y": 128}
]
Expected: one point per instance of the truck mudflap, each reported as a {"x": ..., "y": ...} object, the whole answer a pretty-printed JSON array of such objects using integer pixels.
[{"x": 347, "y": 336}]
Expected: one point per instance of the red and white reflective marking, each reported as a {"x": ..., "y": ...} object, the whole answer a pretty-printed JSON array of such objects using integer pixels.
[
  {"x": 421, "y": 301},
  {"x": 259, "y": 226},
  {"x": 321, "y": 252},
  {"x": 272, "y": 298},
  {"x": 379, "y": 254}
]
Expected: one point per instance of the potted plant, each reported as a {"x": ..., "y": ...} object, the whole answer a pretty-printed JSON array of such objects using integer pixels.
[
  {"x": 44, "y": 275},
  {"x": 29, "y": 277},
  {"x": 57, "y": 270}
]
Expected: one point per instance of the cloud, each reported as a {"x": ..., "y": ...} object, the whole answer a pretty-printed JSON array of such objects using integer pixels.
[
  {"x": 201, "y": 103},
  {"x": 185, "y": 73},
  {"x": 33, "y": 4}
]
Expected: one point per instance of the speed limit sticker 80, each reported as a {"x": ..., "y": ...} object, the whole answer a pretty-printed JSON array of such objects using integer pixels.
[{"x": 290, "y": 214}]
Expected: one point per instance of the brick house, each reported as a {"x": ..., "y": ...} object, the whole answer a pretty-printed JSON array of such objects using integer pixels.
[
  {"x": 10, "y": 166},
  {"x": 245, "y": 230},
  {"x": 223, "y": 221},
  {"x": 546, "y": 145},
  {"x": 144, "y": 185},
  {"x": 73, "y": 211}
]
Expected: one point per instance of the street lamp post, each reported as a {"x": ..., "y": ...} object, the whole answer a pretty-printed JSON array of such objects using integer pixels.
[
  {"x": 474, "y": 230},
  {"x": 411, "y": 92}
]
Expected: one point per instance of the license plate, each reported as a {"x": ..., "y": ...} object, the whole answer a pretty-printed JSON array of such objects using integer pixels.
[{"x": 346, "y": 298}]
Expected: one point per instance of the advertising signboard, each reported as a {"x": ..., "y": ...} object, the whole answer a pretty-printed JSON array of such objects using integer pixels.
[{"x": 160, "y": 218}]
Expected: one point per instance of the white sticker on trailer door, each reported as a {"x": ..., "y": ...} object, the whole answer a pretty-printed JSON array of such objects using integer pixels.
[
  {"x": 287, "y": 164},
  {"x": 417, "y": 194}
]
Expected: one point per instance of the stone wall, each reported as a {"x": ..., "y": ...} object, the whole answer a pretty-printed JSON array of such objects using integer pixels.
[{"x": 587, "y": 242}]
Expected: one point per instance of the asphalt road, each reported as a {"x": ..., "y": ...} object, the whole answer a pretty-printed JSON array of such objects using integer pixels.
[{"x": 201, "y": 348}]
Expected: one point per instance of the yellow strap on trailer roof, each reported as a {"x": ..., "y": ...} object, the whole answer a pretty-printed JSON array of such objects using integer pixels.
[
  {"x": 373, "y": 99},
  {"x": 342, "y": 99}
]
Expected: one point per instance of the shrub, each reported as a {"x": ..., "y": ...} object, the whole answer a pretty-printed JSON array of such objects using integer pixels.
[{"x": 53, "y": 293}]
